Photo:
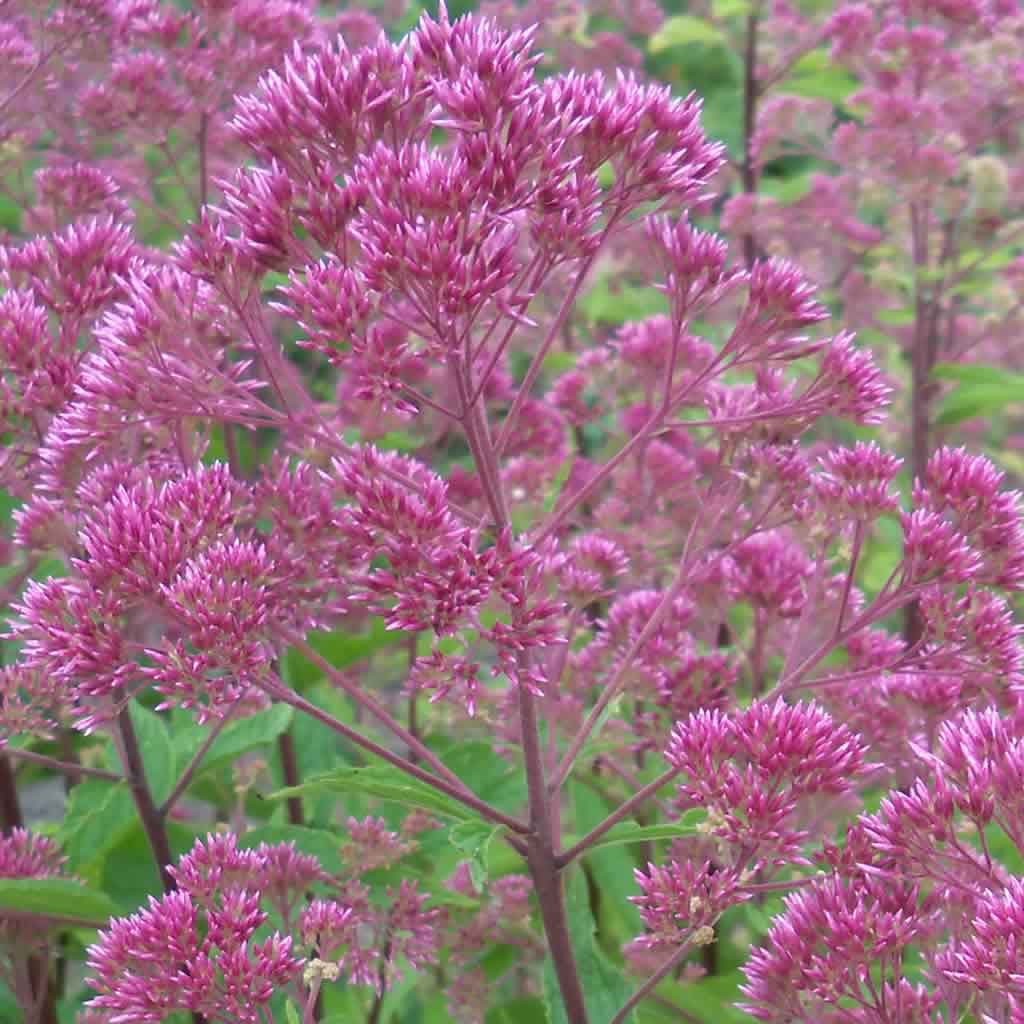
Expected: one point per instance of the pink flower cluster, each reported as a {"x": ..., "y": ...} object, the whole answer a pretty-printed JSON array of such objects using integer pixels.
[
  {"x": 204, "y": 947},
  {"x": 381, "y": 283},
  {"x": 918, "y": 871}
]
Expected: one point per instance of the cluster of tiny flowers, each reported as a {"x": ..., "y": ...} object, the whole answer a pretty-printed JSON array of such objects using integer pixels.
[
  {"x": 910, "y": 874},
  {"x": 206, "y": 946},
  {"x": 25, "y": 855},
  {"x": 754, "y": 770},
  {"x": 168, "y": 546},
  {"x": 388, "y": 242}
]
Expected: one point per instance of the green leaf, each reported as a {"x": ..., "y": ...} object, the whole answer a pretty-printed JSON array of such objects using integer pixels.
[
  {"x": 62, "y": 897},
  {"x": 291, "y": 1014},
  {"x": 633, "y": 833},
  {"x": 453, "y": 899},
  {"x": 156, "y": 749},
  {"x": 684, "y": 29},
  {"x": 129, "y": 874},
  {"x": 901, "y": 317},
  {"x": 596, "y": 743},
  {"x": 97, "y": 815},
  {"x": 10, "y": 215},
  {"x": 605, "y": 989},
  {"x": 882, "y": 553},
  {"x": 489, "y": 776},
  {"x": 710, "y": 998},
  {"x": 385, "y": 783},
  {"x": 523, "y": 1010},
  {"x": 472, "y": 838},
  {"x": 611, "y": 870},
  {"x": 318, "y": 750},
  {"x": 982, "y": 391},
  {"x": 972, "y": 400},
  {"x": 272, "y": 280},
  {"x": 238, "y": 738},
  {"x": 972, "y": 373},
  {"x": 787, "y": 189},
  {"x": 814, "y": 76},
  {"x": 729, "y": 8},
  {"x": 341, "y": 648},
  {"x": 556, "y": 485},
  {"x": 621, "y": 305}
]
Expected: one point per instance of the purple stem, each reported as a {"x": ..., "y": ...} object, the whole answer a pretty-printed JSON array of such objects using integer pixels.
[
  {"x": 622, "y": 811},
  {"x": 152, "y": 819},
  {"x": 281, "y": 692}
]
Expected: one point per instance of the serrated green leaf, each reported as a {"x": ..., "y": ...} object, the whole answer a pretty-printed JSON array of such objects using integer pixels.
[
  {"x": 683, "y": 30},
  {"x": 61, "y": 897},
  {"x": 489, "y": 776},
  {"x": 384, "y": 783},
  {"x": 611, "y": 870}
]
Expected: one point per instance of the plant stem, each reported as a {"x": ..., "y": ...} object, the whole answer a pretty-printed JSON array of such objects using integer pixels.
[
  {"x": 542, "y": 839},
  {"x": 10, "y": 805},
  {"x": 622, "y": 811},
  {"x": 652, "y": 982},
  {"x": 69, "y": 768},
  {"x": 193, "y": 766},
  {"x": 411, "y": 716},
  {"x": 748, "y": 171},
  {"x": 152, "y": 819},
  {"x": 378, "y": 711},
  {"x": 282, "y": 693},
  {"x": 544, "y": 868},
  {"x": 290, "y": 771}
]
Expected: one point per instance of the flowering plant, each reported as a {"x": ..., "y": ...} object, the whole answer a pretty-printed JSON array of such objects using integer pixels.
[{"x": 414, "y": 647}]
